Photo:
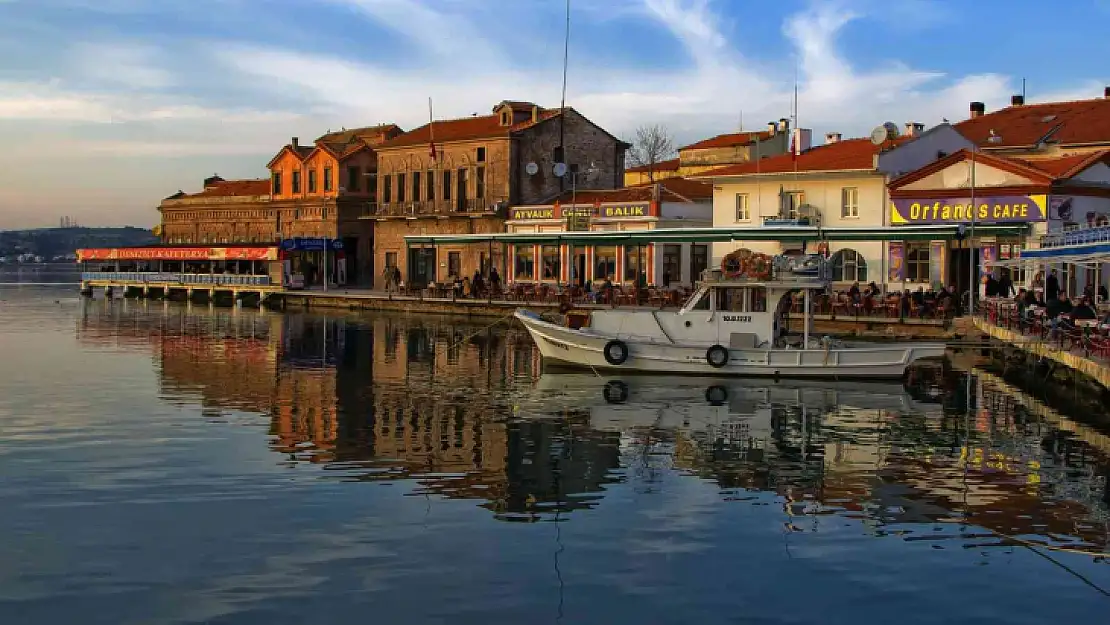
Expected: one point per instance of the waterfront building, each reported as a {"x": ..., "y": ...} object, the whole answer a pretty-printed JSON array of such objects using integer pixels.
[
  {"x": 316, "y": 191},
  {"x": 669, "y": 203},
  {"x": 460, "y": 176},
  {"x": 715, "y": 152}
]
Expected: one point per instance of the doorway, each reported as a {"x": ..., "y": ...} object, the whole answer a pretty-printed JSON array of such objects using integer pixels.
[
  {"x": 960, "y": 262},
  {"x": 422, "y": 267},
  {"x": 580, "y": 269}
]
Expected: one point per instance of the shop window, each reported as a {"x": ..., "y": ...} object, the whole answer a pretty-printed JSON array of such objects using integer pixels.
[
  {"x": 699, "y": 261},
  {"x": 849, "y": 266},
  {"x": 605, "y": 263},
  {"x": 917, "y": 262},
  {"x": 551, "y": 266},
  {"x": 524, "y": 266},
  {"x": 632, "y": 257},
  {"x": 672, "y": 264},
  {"x": 454, "y": 265}
]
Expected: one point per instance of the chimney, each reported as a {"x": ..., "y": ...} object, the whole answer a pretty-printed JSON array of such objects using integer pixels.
[
  {"x": 535, "y": 113},
  {"x": 1017, "y": 100},
  {"x": 802, "y": 140},
  {"x": 977, "y": 109},
  {"x": 1106, "y": 92},
  {"x": 771, "y": 128},
  {"x": 784, "y": 124},
  {"x": 914, "y": 129},
  {"x": 832, "y": 137},
  {"x": 296, "y": 143}
]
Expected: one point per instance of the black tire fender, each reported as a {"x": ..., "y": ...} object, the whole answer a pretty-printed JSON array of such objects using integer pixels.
[
  {"x": 615, "y": 392},
  {"x": 615, "y": 352},
  {"x": 716, "y": 356}
]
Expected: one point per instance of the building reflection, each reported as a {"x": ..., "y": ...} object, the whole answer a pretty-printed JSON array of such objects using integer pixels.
[{"x": 463, "y": 411}]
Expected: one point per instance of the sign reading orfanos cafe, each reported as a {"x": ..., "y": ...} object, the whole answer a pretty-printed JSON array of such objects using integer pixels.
[
  {"x": 630, "y": 210},
  {"x": 986, "y": 209}
]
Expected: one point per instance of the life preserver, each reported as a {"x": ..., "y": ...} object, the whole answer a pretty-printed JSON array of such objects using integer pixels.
[
  {"x": 615, "y": 352},
  {"x": 716, "y": 356},
  {"x": 823, "y": 248},
  {"x": 716, "y": 395},
  {"x": 615, "y": 392}
]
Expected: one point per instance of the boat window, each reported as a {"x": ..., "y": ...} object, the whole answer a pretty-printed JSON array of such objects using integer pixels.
[
  {"x": 759, "y": 299},
  {"x": 731, "y": 300}
]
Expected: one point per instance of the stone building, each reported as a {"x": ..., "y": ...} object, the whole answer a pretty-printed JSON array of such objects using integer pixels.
[
  {"x": 460, "y": 176},
  {"x": 314, "y": 191},
  {"x": 719, "y": 151}
]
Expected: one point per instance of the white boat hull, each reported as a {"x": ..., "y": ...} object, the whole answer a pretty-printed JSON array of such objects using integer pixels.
[{"x": 583, "y": 348}]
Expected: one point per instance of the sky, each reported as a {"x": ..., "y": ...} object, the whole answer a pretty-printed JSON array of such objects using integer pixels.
[{"x": 107, "y": 106}]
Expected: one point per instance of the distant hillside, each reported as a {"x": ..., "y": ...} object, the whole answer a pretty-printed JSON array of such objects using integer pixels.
[{"x": 51, "y": 242}]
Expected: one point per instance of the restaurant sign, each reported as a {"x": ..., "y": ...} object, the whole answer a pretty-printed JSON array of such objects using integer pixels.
[
  {"x": 987, "y": 209},
  {"x": 615, "y": 211},
  {"x": 177, "y": 253}
]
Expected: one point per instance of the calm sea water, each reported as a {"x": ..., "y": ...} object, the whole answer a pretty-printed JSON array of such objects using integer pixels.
[{"x": 167, "y": 464}]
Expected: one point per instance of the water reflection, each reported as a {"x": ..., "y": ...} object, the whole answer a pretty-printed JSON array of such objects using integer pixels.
[{"x": 463, "y": 412}]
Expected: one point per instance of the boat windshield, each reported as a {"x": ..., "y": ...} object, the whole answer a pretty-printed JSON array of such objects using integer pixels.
[{"x": 702, "y": 301}]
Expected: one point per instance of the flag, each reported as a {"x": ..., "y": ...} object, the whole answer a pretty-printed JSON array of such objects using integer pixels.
[
  {"x": 432, "y": 150},
  {"x": 793, "y": 146}
]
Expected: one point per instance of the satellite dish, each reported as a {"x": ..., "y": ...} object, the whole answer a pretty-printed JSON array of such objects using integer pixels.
[
  {"x": 878, "y": 135},
  {"x": 560, "y": 169},
  {"x": 532, "y": 169}
]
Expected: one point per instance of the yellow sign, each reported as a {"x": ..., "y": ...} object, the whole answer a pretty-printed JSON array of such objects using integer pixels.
[
  {"x": 985, "y": 209},
  {"x": 624, "y": 211},
  {"x": 533, "y": 213}
]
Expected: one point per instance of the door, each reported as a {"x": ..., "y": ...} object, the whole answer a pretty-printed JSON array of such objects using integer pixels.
[
  {"x": 460, "y": 191},
  {"x": 580, "y": 268},
  {"x": 422, "y": 267}
]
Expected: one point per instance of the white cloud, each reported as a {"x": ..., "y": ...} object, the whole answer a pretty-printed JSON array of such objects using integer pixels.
[{"x": 129, "y": 65}]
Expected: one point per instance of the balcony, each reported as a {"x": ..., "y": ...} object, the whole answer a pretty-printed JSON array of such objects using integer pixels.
[{"x": 473, "y": 206}]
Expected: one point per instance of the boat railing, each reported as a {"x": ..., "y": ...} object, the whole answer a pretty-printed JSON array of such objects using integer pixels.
[{"x": 783, "y": 268}]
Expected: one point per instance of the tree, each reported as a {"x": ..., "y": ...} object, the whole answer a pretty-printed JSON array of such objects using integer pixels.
[{"x": 652, "y": 145}]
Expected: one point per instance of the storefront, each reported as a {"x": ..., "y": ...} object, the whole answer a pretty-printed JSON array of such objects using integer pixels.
[
  {"x": 305, "y": 262},
  {"x": 651, "y": 263},
  {"x": 244, "y": 265}
]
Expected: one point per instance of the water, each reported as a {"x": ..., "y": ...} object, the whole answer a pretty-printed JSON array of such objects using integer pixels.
[{"x": 165, "y": 464}]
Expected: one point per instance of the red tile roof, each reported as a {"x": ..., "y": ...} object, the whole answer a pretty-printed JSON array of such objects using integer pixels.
[
  {"x": 844, "y": 155},
  {"x": 369, "y": 134},
  {"x": 728, "y": 140},
  {"x": 1039, "y": 172},
  {"x": 670, "y": 165},
  {"x": 463, "y": 129},
  {"x": 228, "y": 188},
  {"x": 1065, "y": 123},
  {"x": 670, "y": 190},
  {"x": 1065, "y": 167}
]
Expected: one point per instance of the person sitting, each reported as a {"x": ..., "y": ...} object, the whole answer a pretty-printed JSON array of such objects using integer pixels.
[
  {"x": 477, "y": 286},
  {"x": 1085, "y": 310},
  {"x": 1103, "y": 295}
]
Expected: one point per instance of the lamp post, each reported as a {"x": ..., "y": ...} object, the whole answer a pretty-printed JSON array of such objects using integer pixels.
[{"x": 974, "y": 284}]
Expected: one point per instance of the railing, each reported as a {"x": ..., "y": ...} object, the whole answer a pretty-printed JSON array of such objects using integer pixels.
[
  {"x": 1077, "y": 236},
  {"x": 429, "y": 207},
  {"x": 148, "y": 277},
  {"x": 776, "y": 220}
]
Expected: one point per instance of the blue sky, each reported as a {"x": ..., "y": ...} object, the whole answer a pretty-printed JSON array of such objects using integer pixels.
[{"x": 109, "y": 105}]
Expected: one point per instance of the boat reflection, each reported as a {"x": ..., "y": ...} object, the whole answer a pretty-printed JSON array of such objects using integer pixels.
[{"x": 463, "y": 412}]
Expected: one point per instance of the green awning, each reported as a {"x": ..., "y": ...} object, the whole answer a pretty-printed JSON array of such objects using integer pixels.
[{"x": 712, "y": 235}]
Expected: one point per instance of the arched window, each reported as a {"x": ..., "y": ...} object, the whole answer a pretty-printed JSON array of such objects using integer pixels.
[{"x": 849, "y": 266}]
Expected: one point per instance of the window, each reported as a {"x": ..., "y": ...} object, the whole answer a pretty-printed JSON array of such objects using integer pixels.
[
  {"x": 400, "y": 187},
  {"x": 387, "y": 190},
  {"x": 849, "y": 202},
  {"x": 275, "y": 180},
  {"x": 632, "y": 263},
  {"x": 505, "y": 119},
  {"x": 296, "y": 181},
  {"x": 605, "y": 263},
  {"x": 574, "y": 173},
  {"x": 354, "y": 173},
  {"x": 742, "y": 212},
  {"x": 327, "y": 179},
  {"x": 447, "y": 185},
  {"x": 672, "y": 264},
  {"x": 372, "y": 185},
  {"x": 480, "y": 183},
  {"x": 551, "y": 265},
  {"x": 454, "y": 265},
  {"x": 525, "y": 263},
  {"x": 849, "y": 266},
  {"x": 703, "y": 302},
  {"x": 415, "y": 186},
  {"x": 557, "y": 154},
  {"x": 917, "y": 262},
  {"x": 791, "y": 200},
  {"x": 312, "y": 181},
  {"x": 430, "y": 186},
  {"x": 699, "y": 261},
  {"x": 391, "y": 259},
  {"x": 480, "y": 155}
]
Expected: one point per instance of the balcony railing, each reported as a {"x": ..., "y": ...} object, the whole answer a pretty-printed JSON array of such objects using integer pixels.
[
  {"x": 438, "y": 207},
  {"x": 173, "y": 277}
]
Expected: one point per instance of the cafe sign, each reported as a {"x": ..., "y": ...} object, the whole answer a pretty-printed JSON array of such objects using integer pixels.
[
  {"x": 614, "y": 211},
  {"x": 985, "y": 209},
  {"x": 177, "y": 253}
]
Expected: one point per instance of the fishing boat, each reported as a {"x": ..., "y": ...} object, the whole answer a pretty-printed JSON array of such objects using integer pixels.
[{"x": 735, "y": 324}]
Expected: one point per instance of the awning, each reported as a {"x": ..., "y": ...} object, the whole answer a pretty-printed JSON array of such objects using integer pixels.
[
  {"x": 1066, "y": 252},
  {"x": 711, "y": 235}
]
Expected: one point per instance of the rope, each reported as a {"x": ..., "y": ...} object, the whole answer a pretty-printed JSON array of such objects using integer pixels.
[{"x": 477, "y": 332}]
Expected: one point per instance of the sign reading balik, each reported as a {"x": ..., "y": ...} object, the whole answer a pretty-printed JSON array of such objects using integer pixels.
[
  {"x": 986, "y": 209},
  {"x": 616, "y": 211}
]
